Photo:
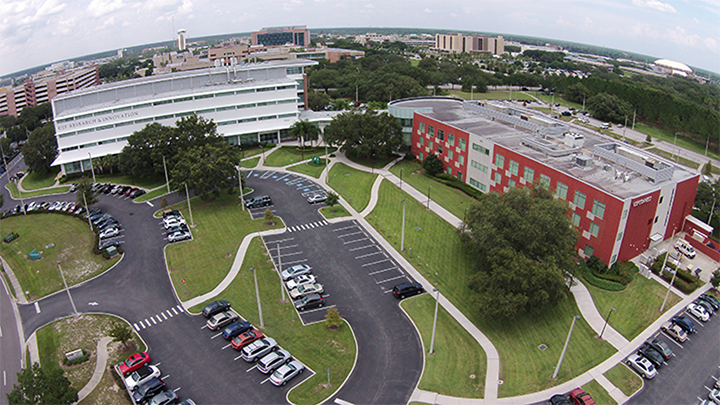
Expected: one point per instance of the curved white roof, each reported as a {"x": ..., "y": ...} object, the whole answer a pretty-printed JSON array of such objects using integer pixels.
[{"x": 673, "y": 65}]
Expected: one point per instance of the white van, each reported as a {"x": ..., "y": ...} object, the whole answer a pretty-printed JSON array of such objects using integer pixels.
[
  {"x": 605, "y": 125},
  {"x": 685, "y": 248}
]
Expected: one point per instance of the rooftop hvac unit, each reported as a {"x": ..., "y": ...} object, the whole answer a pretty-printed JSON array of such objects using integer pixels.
[{"x": 583, "y": 161}]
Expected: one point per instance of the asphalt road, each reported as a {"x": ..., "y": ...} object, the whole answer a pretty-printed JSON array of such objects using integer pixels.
[
  {"x": 10, "y": 346},
  {"x": 357, "y": 277}
]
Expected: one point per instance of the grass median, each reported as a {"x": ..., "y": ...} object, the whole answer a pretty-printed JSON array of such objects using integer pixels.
[
  {"x": 36, "y": 180},
  {"x": 636, "y": 307},
  {"x": 673, "y": 157},
  {"x": 249, "y": 163},
  {"x": 12, "y": 188},
  {"x": 287, "y": 155},
  {"x": 155, "y": 193},
  {"x": 458, "y": 365},
  {"x": 449, "y": 198},
  {"x": 623, "y": 378},
  {"x": 314, "y": 345},
  {"x": 220, "y": 226},
  {"x": 336, "y": 211},
  {"x": 354, "y": 185},
  {"x": 433, "y": 247},
  {"x": 58, "y": 238},
  {"x": 311, "y": 169},
  {"x": 490, "y": 95},
  {"x": 598, "y": 393}
]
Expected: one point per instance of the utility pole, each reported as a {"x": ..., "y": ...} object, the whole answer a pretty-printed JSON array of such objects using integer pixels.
[
  {"x": 92, "y": 170},
  {"x": 88, "y": 211},
  {"x": 432, "y": 340},
  {"x": 187, "y": 194},
  {"x": 662, "y": 308},
  {"x": 567, "y": 341},
  {"x": 75, "y": 312},
  {"x": 634, "y": 113},
  {"x": 282, "y": 288},
  {"x": 257, "y": 295},
  {"x": 167, "y": 182},
  {"x": 402, "y": 237}
]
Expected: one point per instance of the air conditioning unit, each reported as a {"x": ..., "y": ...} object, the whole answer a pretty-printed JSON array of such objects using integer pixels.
[{"x": 583, "y": 161}]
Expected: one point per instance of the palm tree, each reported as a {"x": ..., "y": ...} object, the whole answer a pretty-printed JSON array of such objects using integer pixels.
[{"x": 305, "y": 130}]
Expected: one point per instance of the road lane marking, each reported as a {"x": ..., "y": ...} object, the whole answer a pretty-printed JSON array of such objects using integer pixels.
[
  {"x": 153, "y": 320},
  {"x": 0, "y": 331},
  {"x": 143, "y": 325},
  {"x": 379, "y": 261},
  {"x": 395, "y": 278},
  {"x": 339, "y": 401},
  {"x": 180, "y": 308},
  {"x": 382, "y": 271},
  {"x": 346, "y": 227},
  {"x": 158, "y": 318},
  {"x": 4, "y": 378},
  {"x": 169, "y": 313},
  {"x": 37, "y": 307},
  {"x": 317, "y": 309},
  {"x": 149, "y": 203},
  {"x": 349, "y": 234}
]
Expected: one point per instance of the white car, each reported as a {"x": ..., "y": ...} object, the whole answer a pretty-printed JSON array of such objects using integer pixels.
[
  {"x": 141, "y": 376},
  {"x": 642, "y": 366},
  {"x": 317, "y": 198},
  {"x": 258, "y": 349},
  {"x": 273, "y": 360},
  {"x": 306, "y": 289},
  {"x": 178, "y": 236},
  {"x": 698, "y": 312},
  {"x": 109, "y": 233},
  {"x": 286, "y": 372},
  {"x": 296, "y": 270},
  {"x": 675, "y": 331},
  {"x": 300, "y": 280},
  {"x": 169, "y": 223},
  {"x": 715, "y": 396}
]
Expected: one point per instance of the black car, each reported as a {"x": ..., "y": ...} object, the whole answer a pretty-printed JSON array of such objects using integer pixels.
[
  {"x": 179, "y": 228},
  {"x": 235, "y": 329},
  {"x": 309, "y": 302},
  {"x": 215, "y": 307},
  {"x": 711, "y": 300},
  {"x": 257, "y": 202},
  {"x": 685, "y": 323},
  {"x": 172, "y": 213},
  {"x": 651, "y": 354},
  {"x": 406, "y": 289},
  {"x": 559, "y": 400},
  {"x": 108, "y": 243},
  {"x": 659, "y": 346},
  {"x": 148, "y": 390}
]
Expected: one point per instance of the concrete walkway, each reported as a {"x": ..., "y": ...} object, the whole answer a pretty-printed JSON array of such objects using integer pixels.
[
  {"x": 100, "y": 363},
  {"x": 19, "y": 293},
  {"x": 596, "y": 321}
]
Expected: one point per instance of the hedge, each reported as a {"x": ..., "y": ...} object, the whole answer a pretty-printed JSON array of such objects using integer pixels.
[
  {"x": 685, "y": 281},
  {"x": 453, "y": 182},
  {"x": 599, "y": 282}
]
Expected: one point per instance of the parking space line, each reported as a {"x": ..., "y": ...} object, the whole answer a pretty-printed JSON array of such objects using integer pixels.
[
  {"x": 163, "y": 315},
  {"x": 390, "y": 279},
  {"x": 235, "y": 359},
  {"x": 363, "y": 247},
  {"x": 287, "y": 174},
  {"x": 382, "y": 271},
  {"x": 177, "y": 389},
  {"x": 296, "y": 261},
  {"x": 136, "y": 327},
  {"x": 226, "y": 346},
  {"x": 370, "y": 254},
  {"x": 387, "y": 291},
  {"x": 264, "y": 381},
  {"x": 216, "y": 335},
  {"x": 291, "y": 254},
  {"x": 672, "y": 340},
  {"x": 379, "y": 261},
  {"x": 350, "y": 234},
  {"x": 251, "y": 368},
  {"x": 347, "y": 227},
  {"x": 317, "y": 309},
  {"x": 280, "y": 240},
  {"x": 293, "y": 181},
  {"x": 169, "y": 313},
  {"x": 355, "y": 241}
]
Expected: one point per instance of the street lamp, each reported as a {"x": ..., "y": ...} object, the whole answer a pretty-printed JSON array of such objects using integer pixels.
[
  {"x": 92, "y": 170},
  {"x": 437, "y": 301},
  {"x": 662, "y": 308},
  {"x": 187, "y": 195},
  {"x": 242, "y": 199},
  {"x": 22, "y": 203},
  {"x": 167, "y": 182},
  {"x": 428, "y": 202},
  {"x": 401, "y": 173},
  {"x": 567, "y": 341},
  {"x": 606, "y": 322},
  {"x": 402, "y": 237},
  {"x": 257, "y": 295},
  {"x": 67, "y": 289},
  {"x": 282, "y": 287}
]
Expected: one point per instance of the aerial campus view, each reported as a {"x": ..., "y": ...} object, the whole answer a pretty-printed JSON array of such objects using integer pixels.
[{"x": 208, "y": 203}]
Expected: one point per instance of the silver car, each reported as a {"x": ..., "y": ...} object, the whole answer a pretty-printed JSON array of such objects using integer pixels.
[
  {"x": 294, "y": 271},
  {"x": 642, "y": 366},
  {"x": 257, "y": 349},
  {"x": 268, "y": 363},
  {"x": 306, "y": 289},
  {"x": 300, "y": 280},
  {"x": 286, "y": 372},
  {"x": 221, "y": 320}
]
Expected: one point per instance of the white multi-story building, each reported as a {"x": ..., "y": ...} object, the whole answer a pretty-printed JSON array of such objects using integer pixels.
[{"x": 256, "y": 102}]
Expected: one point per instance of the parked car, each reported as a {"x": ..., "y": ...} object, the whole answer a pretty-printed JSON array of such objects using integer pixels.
[
  {"x": 406, "y": 289},
  {"x": 708, "y": 307},
  {"x": 258, "y": 202},
  {"x": 235, "y": 329},
  {"x": 221, "y": 320},
  {"x": 300, "y": 280},
  {"x": 642, "y": 366},
  {"x": 306, "y": 289},
  {"x": 215, "y": 307},
  {"x": 141, "y": 376},
  {"x": 317, "y": 198},
  {"x": 674, "y": 331},
  {"x": 309, "y": 302},
  {"x": 710, "y": 300},
  {"x": 109, "y": 233},
  {"x": 164, "y": 398},
  {"x": 651, "y": 354},
  {"x": 685, "y": 323},
  {"x": 179, "y": 236},
  {"x": 685, "y": 248},
  {"x": 107, "y": 243},
  {"x": 246, "y": 338},
  {"x": 169, "y": 223},
  {"x": 294, "y": 271},
  {"x": 257, "y": 349},
  {"x": 715, "y": 396},
  {"x": 133, "y": 363},
  {"x": 268, "y": 363},
  {"x": 698, "y": 312},
  {"x": 179, "y": 228},
  {"x": 559, "y": 399},
  {"x": 286, "y": 372},
  {"x": 148, "y": 390},
  {"x": 660, "y": 346}
]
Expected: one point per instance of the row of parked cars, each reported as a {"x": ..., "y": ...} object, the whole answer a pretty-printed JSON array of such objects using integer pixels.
[
  {"x": 107, "y": 225},
  {"x": 117, "y": 189},
  {"x": 144, "y": 383},
  {"x": 655, "y": 352},
  {"x": 303, "y": 288},
  {"x": 253, "y": 345},
  {"x": 176, "y": 228},
  {"x": 66, "y": 206}
]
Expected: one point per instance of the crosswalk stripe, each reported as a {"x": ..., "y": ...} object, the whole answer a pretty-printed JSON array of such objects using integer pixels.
[
  {"x": 163, "y": 315},
  {"x": 153, "y": 320},
  {"x": 143, "y": 325},
  {"x": 312, "y": 225},
  {"x": 180, "y": 308},
  {"x": 136, "y": 327},
  {"x": 169, "y": 313},
  {"x": 325, "y": 222},
  {"x": 174, "y": 311},
  {"x": 158, "y": 318}
]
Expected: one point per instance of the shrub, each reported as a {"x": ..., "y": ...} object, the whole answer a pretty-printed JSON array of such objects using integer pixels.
[
  {"x": 597, "y": 266},
  {"x": 453, "y": 182},
  {"x": 409, "y": 156},
  {"x": 333, "y": 319},
  {"x": 85, "y": 357},
  {"x": 604, "y": 284},
  {"x": 432, "y": 165}
]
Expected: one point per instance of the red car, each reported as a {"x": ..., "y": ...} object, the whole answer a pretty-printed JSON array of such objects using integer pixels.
[
  {"x": 580, "y": 397},
  {"x": 246, "y": 338},
  {"x": 133, "y": 363}
]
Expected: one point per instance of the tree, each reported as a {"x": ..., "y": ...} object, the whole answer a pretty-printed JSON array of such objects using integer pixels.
[
  {"x": 268, "y": 216},
  {"x": 38, "y": 385},
  {"x": 332, "y": 199},
  {"x": 715, "y": 280},
  {"x": 365, "y": 134},
  {"x": 207, "y": 169},
  {"x": 333, "y": 319},
  {"x": 707, "y": 168},
  {"x": 521, "y": 243},
  {"x": 84, "y": 188},
  {"x": 143, "y": 154},
  {"x": 432, "y": 165},
  {"x": 305, "y": 130},
  {"x": 121, "y": 334},
  {"x": 317, "y": 101},
  {"x": 41, "y": 149}
]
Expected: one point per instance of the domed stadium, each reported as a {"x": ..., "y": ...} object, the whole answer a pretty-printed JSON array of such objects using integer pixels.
[{"x": 672, "y": 67}]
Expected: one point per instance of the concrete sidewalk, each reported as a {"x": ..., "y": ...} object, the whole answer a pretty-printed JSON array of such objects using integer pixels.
[{"x": 100, "y": 363}]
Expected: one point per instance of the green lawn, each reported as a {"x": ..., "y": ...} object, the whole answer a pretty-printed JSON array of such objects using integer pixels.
[
  {"x": 287, "y": 155},
  {"x": 458, "y": 366},
  {"x": 549, "y": 99},
  {"x": 162, "y": 190},
  {"x": 669, "y": 136},
  {"x": 636, "y": 306},
  {"x": 12, "y": 188},
  {"x": 308, "y": 168},
  {"x": 525, "y": 368},
  {"x": 354, "y": 185},
  {"x": 34, "y": 181},
  {"x": 249, "y": 163},
  {"x": 314, "y": 345},
  {"x": 220, "y": 226},
  {"x": 449, "y": 198},
  {"x": 545, "y": 110},
  {"x": 84, "y": 332},
  {"x": 675, "y": 158},
  {"x": 72, "y": 244},
  {"x": 598, "y": 393},
  {"x": 335, "y": 211},
  {"x": 252, "y": 152},
  {"x": 623, "y": 378},
  {"x": 490, "y": 95},
  {"x": 375, "y": 163}
]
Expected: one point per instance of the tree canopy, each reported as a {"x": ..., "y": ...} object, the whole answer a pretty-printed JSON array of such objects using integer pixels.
[
  {"x": 41, "y": 149},
  {"x": 365, "y": 134},
  {"x": 42, "y": 386},
  {"x": 305, "y": 130},
  {"x": 520, "y": 242}
]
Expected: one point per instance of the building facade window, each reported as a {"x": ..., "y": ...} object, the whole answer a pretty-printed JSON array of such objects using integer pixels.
[
  {"x": 439, "y": 149},
  {"x": 459, "y": 175},
  {"x": 511, "y": 183},
  {"x": 477, "y": 185},
  {"x": 624, "y": 215},
  {"x": 461, "y": 159},
  {"x": 579, "y": 200},
  {"x": 430, "y": 145},
  {"x": 448, "y": 170},
  {"x": 598, "y": 209},
  {"x": 529, "y": 175},
  {"x": 619, "y": 237},
  {"x": 431, "y": 130},
  {"x": 450, "y": 154},
  {"x": 422, "y": 127},
  {"x": 451, "y": 139},
  {"x": 462, "y": 144},
  {"x": 499, "y": 161},
  {"x": 545, "y": 181},
  {"x": 594, "y": 229},
  {"x": 498, "y": 178},
  {"x": 481, "y": 149},
  {"x": 514, "y": 167},
  {"x": 575, "y": 219},
  {"x": 561, "y": 191},
  {"x": 422, "y": 141},
  {"x": 479, "y": 166},
  {"x": 441, "y": 134},
  {"x": 589, "y": 250}
]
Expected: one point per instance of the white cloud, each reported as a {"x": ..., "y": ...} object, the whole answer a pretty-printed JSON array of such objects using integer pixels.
[
  {"x": 680, "y": 36},
  {"x": 655, "y": 5},
  {"x": 98, "y": 8},
  {"x": 560, "y": 21},
  {"x": 427, "y": 10},
  {"x": 712, "y": 44}
]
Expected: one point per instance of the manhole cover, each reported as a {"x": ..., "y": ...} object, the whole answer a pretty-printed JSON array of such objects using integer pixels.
[{"x": 542, "y": 346}]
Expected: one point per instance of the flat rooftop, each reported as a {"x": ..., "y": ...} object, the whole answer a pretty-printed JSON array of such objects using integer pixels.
[{"x": 616, "y": 167}]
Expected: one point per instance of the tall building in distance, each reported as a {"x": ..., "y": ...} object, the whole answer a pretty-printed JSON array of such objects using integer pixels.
[
  {"x": 458, "y": 43},
  {"x": 181, "y": 44},
  {"x": 279, "y": 36}
]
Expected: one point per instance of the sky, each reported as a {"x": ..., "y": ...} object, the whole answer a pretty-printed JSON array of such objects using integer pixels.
[{"x": 37, "y": 32}]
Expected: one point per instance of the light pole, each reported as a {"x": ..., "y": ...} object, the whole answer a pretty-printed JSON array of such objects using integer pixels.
[
  {"x": 428, "y": 203},
  {"x": 401, "y": 174},
  {"x": 437, "y": 301},
  {"x": 282, "y": 287},
  {"x": 402, "y": 235},
  {"x": 187, "y": 195},
  {"x": 567, "y": 341},
  {"x": 88, "y": 211},
  {"x": 606, "y": 322},
  {"x": 257, "y": 295},
  {"x": 662, "y": 308},
  {"x": 167, "y": 182},
  {"x": 242, "y": 200},
  {"x": 67, "y": 289},
  {"x": 92, "y": 170}
]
